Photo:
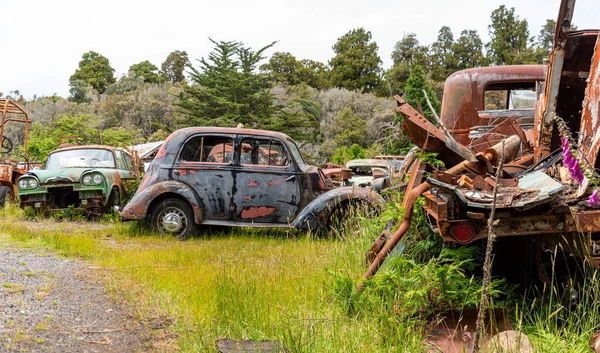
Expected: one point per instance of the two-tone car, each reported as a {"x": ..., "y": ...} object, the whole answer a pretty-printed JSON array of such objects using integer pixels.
[
  {"x": 236, "y": 177},
  {"x": 89, "y": 178}
]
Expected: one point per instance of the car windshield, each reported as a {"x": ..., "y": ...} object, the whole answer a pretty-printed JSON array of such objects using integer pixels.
[{"x": 82, "y": 158}]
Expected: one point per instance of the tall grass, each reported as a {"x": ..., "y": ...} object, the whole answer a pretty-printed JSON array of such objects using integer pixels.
[{"x": 297, "y": 287}]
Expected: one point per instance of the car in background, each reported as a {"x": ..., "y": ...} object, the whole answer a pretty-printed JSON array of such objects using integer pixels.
[
  {"x": 375, "y": 173},
  {"x": 236, "y": 177},
  {"x": 91, "y": 179}
]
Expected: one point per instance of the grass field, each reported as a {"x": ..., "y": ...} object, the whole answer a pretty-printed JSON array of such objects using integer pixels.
[{"x": 290, "y": 286}]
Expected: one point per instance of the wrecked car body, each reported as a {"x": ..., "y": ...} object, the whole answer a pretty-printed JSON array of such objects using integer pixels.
[
  {"x": 90, "y": 179},
  {"x": 235, "y": 177},
  {"x": 375, "y": 173},
  {"x": 543, "y": 221}
]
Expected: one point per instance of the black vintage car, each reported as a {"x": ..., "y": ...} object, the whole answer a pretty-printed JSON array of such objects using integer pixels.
[{"x": 236, "y": 177}]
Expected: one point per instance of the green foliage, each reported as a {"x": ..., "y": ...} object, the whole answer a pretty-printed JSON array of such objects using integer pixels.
[
  {"x": 468, "y": 50},
  {"x": 124, "y": 84},
  {"x": 345, "y": 154},
  {"x": 509, "y": 38},
  {"x": 145, "y": 70},
  {"x": 226, "y": 90},
  {"x": 43, "y": 140},
  {"x": 117, "y": 136},
  {"x": 299, "y": 119},
  {"x": 283, "y": 68},
  {"x": 408, "y": 50},
  {"x": 314, "y": 74},
  {"x": 356, "y": 64},
  {"x": 414, "y": 87},
  {"x": 443, "y": 57},
  {"x": 350, "y": 128},
  {"x": 406, "y": 54},
  {"x": 174, "y": 65},
  {"x": 95, "y": 71}
]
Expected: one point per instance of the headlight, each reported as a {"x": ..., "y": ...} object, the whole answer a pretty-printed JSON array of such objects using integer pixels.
[
  {"x": 87, "y": 180},
  {"x": 92, "y": 179},
  {"x": 98, "y": 179},
  {"x": 28, "y": 183}
]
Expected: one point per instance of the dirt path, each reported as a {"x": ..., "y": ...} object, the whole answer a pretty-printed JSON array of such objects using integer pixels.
[{"x": 52, "y": 304}]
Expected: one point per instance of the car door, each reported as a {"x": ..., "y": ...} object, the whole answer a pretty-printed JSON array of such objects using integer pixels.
[
  {"x": 204, "y": 163},
  {"x": 267, "y": 188}
]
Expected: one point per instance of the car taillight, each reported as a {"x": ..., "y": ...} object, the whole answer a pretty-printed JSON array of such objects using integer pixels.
[{"x": 463, "y": 232}]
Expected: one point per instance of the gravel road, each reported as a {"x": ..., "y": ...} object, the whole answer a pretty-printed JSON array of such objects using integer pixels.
[{"x": 53, "y": 304}]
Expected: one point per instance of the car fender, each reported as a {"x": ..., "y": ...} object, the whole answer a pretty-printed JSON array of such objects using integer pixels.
[
  {"x": 137, "y": 208},
  {"x": 316, "y": 213}
]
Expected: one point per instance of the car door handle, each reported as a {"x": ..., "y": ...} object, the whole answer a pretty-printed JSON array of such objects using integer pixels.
[{"x": 290, "y": 178}]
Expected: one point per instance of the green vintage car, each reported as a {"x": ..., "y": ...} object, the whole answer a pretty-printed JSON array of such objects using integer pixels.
[{"x": 90, "y": 178}]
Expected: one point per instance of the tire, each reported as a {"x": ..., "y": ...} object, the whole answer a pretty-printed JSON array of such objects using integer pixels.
[
  {"x": 5, "y": 194},
  {"x": 173, "y": 217}
]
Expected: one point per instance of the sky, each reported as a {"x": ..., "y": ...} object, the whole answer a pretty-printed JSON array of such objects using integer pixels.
[{"x": 41, "y": 41}]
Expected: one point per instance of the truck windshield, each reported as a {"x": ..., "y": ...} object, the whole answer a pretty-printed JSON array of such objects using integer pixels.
[{"x": 81, "y": 158}]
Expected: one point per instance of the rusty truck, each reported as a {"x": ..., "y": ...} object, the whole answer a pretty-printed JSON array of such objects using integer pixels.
[{"x": 543, "y": 221}]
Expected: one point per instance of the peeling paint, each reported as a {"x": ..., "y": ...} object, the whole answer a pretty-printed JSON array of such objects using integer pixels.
[{"x": 255, "y": 212}]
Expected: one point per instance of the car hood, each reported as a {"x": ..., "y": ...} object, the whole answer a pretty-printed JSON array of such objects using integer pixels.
[{"x": 62, "y": 175}]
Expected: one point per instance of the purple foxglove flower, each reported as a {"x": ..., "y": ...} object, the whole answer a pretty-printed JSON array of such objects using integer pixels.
[
  {"x": 593, "y": 200},
  {"x": 570, "y": 162},
  {"x": 564, "y": 142}
]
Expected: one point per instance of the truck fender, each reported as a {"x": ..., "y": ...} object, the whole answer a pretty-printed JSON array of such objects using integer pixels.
[
  {"x": 138, "y": 207},
  {"x": 316, "y": 213}
]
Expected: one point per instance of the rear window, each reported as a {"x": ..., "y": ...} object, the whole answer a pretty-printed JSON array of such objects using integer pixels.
[{"x": 208, "y": 149}]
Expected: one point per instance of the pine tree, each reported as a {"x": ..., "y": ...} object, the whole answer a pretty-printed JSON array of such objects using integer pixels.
[
  {"x": 356, "y": 65},
  {"x": 226, "y": 90}
]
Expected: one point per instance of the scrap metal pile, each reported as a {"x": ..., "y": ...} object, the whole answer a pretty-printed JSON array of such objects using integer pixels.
[{"x": 539, "y": 203}]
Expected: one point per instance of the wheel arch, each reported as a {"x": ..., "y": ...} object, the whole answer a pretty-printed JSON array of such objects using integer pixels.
[
  {"x": 143, "y": 202},
  {"x": 316, "y": 214}
]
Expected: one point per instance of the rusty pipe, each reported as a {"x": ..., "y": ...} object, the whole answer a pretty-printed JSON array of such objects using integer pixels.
[{"x": 399, "y": 233}]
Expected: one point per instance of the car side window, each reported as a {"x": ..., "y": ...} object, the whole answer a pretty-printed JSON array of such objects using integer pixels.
[
  {"x": 120, "y": 160},
  {"x": 128, "y": 162},
  {"x": 263, "y": 152},
  {"x": 208, "y": 149}
]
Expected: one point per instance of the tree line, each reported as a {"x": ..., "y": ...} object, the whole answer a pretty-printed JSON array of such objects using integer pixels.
[{"x": 336, "y": 110}]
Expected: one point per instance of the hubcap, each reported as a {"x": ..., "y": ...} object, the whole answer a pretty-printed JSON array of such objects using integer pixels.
[{"x": 173, "y": 220}]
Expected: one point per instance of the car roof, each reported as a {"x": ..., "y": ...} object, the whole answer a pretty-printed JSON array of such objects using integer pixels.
[
  {"x": 234, "y": 131},
  {"x": 87, "y": 147}
]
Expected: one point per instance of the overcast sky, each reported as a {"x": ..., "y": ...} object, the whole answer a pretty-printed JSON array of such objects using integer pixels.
[{"x": 41, "y": 41}]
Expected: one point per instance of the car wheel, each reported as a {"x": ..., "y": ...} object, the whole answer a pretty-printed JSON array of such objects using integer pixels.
[
  {"x": 5, "y": 194},
  {"x": 173, "y": 217}
]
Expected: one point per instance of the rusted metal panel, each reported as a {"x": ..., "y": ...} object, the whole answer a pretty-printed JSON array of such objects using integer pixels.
[
  {"x": 425, "y": 135},
  {"x": 589, "y": 134},
  {"x": 436, "y": 207},
  {"x": 416, "y": 176}
]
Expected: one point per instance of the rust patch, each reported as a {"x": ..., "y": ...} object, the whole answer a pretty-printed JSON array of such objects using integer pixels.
[
  {"x": 255, "y": 212},
  {"x": 247, "y": 197},
  {"x": 252, "y": 183},
  {"x": 183, "y": 172},
  {"x": 275, "y": 181}
]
